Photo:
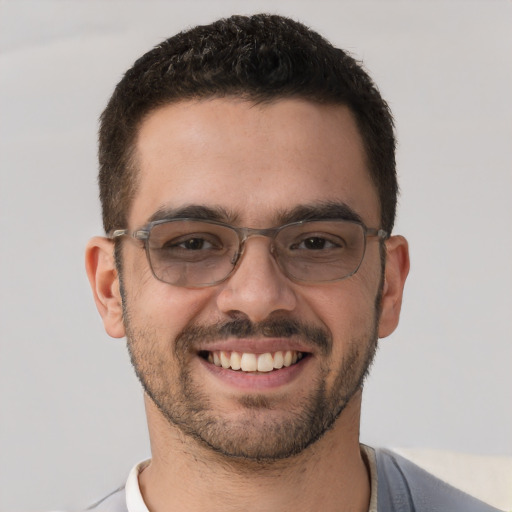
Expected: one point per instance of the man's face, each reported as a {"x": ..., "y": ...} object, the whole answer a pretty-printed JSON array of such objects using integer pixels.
[{"x": 253, "y": 165}]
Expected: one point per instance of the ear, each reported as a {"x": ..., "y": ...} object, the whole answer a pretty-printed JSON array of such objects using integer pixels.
[
  {"x": 102, "y": 274},
  {"x": 395, "y": 274}
]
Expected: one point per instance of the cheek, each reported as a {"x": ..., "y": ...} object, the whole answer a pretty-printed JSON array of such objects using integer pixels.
[
  {"x": 158, "y": 306},
  {"x": 346, "y": 304},
  {"x": 347, "y": 309},
  {"x": 349, "y": 315},
  {"x": 169, "y": 309}
]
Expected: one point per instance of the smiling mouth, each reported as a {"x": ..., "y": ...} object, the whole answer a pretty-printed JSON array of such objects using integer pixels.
[{"x": 249, "y": 362}]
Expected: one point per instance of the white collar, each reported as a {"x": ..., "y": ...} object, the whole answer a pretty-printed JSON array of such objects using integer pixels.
[{"x": 135, "y": 502}]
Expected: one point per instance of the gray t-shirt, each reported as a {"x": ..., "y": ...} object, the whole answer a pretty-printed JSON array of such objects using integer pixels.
[{"x": 397, "y": 485}]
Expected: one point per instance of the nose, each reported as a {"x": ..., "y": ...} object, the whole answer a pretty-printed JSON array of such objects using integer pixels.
[{"x": 258, "y": 287}]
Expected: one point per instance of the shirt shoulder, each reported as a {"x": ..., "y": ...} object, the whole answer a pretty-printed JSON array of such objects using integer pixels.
[
  {"x": 114, "y": 502},
  {"x": 126, "y": 498},
  {"x": 403, "y": 486}
]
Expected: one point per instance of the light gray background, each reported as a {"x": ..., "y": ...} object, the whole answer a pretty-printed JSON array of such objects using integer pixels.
[{"x": 72, "y": 421}]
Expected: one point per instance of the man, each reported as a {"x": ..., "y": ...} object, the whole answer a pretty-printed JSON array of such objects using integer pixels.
[{"x": 248, "y": 185}]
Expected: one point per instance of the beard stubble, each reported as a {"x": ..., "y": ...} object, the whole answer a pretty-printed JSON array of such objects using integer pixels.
[{"x": 257, "y": 430}]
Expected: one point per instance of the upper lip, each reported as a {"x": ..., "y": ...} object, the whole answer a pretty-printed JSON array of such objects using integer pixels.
[{"x": 255, "y": 345}]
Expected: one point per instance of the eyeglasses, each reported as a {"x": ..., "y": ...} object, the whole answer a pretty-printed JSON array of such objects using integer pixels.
[{"x": 198, "y": 253}]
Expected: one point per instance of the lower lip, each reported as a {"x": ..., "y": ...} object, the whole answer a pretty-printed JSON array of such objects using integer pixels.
[{"x": 257, "y": 381}]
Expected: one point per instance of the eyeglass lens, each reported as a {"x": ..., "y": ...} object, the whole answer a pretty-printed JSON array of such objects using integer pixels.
[{"x": 197, "y": 253}]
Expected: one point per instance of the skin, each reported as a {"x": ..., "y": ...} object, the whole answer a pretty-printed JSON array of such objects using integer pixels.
[{"x": 254, "y": 162}]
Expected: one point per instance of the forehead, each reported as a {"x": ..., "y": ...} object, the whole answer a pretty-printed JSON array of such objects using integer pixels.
[{"x": 251, "y": 160}]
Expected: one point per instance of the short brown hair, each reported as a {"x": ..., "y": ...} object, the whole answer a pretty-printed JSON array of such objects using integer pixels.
[{"x": 260, "y": 58}]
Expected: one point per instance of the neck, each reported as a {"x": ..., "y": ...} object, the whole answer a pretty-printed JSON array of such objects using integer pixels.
[{"x": 184, "y": 476}]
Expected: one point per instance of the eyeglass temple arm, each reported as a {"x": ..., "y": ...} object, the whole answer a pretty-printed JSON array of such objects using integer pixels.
[
  {"x": 380, "y": 233},
  {"x": 141, "y": 234},
  {"x": 116, "y": 233}
]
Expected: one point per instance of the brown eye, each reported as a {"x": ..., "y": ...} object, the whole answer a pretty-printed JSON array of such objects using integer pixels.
[
  {"x": 317, "y": 243},
  {"x": 195, "y": 244}
]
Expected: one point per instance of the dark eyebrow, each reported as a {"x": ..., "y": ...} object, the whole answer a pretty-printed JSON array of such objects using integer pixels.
[
  {"x": 316, "y": 211},
  {"x": 194, "y": 211},
  {"x": 319, "y": 211}
]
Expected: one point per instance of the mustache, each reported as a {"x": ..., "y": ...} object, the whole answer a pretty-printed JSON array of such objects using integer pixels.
[{"x": 313, "y": 336}]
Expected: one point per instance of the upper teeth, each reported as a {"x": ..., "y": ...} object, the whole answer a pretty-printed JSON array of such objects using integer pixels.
[{"x": 249, "y": 362}]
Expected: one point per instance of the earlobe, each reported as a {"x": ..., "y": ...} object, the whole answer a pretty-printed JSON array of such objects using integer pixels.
[
  {"x": 104, "y": 281},
  {"x": 397, "y": 269}
]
